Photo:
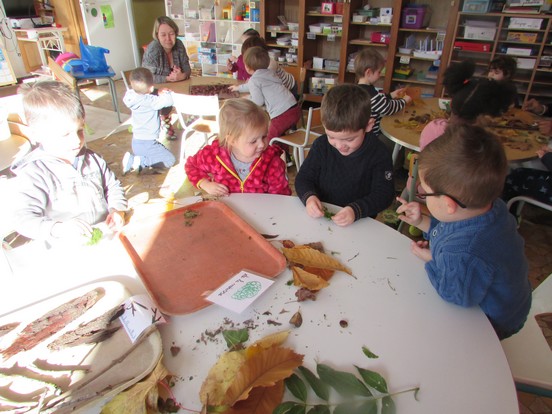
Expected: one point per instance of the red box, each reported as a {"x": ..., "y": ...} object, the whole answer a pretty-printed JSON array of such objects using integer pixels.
[
  {"x": 473, "y": 47},
  {"x": 327, "y": 8},
  {"x": 380, "y": 37}
]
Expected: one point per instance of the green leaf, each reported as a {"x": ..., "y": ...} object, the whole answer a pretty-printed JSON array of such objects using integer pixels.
[
  {"x": 235, "y": 338},
  {"x": 373, "y": 379},
  {"x": 319, "y": 388},
  {"x": 357, "y": 407},
  {"x": 297, "y": 387},
  {"x": 298, "y": 409},
  {"x": 95, "y": 237},
  {"x": 319, "y": 409},
  {"x": 284, "y": 407},
  {"x": 369, "y": 353},
  {"x": 387, "y": 406},
  {"x": 344, "y": 383}
]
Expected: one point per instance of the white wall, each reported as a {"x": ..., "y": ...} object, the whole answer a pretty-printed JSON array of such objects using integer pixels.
[{"x": 9, "y": 42}]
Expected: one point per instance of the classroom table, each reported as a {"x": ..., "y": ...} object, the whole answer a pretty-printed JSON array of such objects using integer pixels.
[
  {"x": 184, "y": 86},
  {"x": 393, "y": 128},
  {"x": 388, "y": 306},
  {"x": 12, "y": 148}
]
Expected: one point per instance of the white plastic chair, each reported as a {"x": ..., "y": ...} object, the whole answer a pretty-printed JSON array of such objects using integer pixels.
[
  {"x": 528, "y": 352},
  {"x": 521, "y": 200},
  {"x": 196, "y": 135},
  {"x": 299, "y": 140}
]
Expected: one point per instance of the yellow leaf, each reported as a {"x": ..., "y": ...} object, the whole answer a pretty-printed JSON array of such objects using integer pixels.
[
  {"x": 262, "y": 400},
  {"x": 133, "y": 400},
  {"x": 325, "y": 274},
  {"x": 277, "y": 338},
  {"x": 263, "y": 369},
  {"x": 220, "y": 377},
  {"x": 307, "y": 256},
  {"x": 307, "y": 280}
]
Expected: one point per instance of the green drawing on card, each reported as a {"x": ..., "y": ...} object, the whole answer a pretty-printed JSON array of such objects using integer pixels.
[{"x": 249, "y": 290}]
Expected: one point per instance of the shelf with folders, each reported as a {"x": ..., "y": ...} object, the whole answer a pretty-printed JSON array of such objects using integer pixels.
[{"x": 211, "y": 30}]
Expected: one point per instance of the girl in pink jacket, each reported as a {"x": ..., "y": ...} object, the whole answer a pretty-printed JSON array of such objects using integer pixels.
[{"x": 241, "y": 159}]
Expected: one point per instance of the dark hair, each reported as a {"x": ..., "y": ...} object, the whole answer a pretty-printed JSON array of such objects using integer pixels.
[
  {"x": 141, "y": 80},
  {"x": 253, "y": 41},
  {"x": 368, "y": 58},
  {"x": 251, "y": 32},
  {"x": 256, "y": 58},
  {"x": 466, "y": 162},
  {"x": 506, "y": 64},
  {"x": 471, "y": 96},
  {"x": 345, "y": 107},
  {"x": 164, "y": 20}
]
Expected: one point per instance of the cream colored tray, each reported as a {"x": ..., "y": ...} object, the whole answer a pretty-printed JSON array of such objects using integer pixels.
[{"x": 34, "y": 377}]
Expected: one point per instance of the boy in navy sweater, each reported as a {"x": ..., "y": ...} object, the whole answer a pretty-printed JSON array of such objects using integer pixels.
[
  {"x": 348, "y": 166},
  {"x": 475, "y": 255}
]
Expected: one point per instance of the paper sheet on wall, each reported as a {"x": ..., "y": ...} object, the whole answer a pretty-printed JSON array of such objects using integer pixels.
[{"x": 107, "y": 16}]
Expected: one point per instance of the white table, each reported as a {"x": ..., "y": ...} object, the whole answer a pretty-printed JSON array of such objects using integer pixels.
[{"x": 451, "y": 353}]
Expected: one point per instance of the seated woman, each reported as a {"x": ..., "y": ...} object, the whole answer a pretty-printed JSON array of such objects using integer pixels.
[
  {"x": 167, "y": 59},
  {"x": 166, "y": 55}
]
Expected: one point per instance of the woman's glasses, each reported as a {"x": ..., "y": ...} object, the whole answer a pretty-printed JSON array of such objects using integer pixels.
[{"x": 422, "y": 196}]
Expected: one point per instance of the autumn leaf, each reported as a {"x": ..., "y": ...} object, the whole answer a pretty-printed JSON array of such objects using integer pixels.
[
  {"x": 263, "y": 369},
  {"x": 220, "y": 377},
  {"x": 325, "y": 274},
  {"x": 307, "y": 280},
  {"x": 262, "y": 400},
  {"x": 307, "y": 256},
  {"x": 139, "y": 397}
]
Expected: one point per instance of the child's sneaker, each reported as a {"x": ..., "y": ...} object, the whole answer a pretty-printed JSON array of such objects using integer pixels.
[{"x": 128, "y": 161}]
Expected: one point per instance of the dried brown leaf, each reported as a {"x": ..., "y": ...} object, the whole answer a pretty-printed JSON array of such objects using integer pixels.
[
  {"x": 220, "y": 377},
  {"x": 325, "y": 274},
  {"x": 307, "y": 280},
  {"x": 310, "y": 257},
  {"x": 262, "y": 400},
  {"x": 263, "y": 369}
]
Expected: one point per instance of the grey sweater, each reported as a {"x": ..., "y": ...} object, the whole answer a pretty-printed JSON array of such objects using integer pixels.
[{"x": 266, "y": 89}]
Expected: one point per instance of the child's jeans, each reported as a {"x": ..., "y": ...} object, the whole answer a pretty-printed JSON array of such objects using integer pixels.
[
  {"x": 283, "y": 122},
  {"x": 152, "y": 153}
]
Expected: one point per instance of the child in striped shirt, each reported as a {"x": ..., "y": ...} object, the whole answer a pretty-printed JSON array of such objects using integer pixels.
[{"x": 368, "y": 66}]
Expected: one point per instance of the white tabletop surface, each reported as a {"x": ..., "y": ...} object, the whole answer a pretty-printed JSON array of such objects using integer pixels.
[{"x": 451, "y": 353}]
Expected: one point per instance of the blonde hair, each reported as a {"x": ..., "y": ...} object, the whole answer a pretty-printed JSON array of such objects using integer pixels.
[
  {"x": 42, "y": 99},
  {"x": 238, "y": 116},
  {"x": 141, "y": 80},
  {"x": 368, "y": 59}
]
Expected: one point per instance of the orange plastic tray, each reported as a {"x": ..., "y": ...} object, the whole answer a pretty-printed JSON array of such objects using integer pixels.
[{"x": 181, "y": 260}]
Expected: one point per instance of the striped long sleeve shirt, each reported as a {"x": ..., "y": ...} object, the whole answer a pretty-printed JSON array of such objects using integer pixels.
[{"x": 382, "y": 104}]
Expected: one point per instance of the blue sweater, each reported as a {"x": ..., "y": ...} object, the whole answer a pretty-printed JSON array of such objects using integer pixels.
[{"x": 481, "y": 261}]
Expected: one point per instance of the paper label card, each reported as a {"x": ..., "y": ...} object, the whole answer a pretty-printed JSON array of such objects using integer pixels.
[
  {"x": 240, "y": 291},
  {"x": 140, "y": 313}
]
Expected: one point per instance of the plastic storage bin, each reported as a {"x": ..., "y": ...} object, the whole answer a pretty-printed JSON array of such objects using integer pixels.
[{"x": 415, "y": 16}]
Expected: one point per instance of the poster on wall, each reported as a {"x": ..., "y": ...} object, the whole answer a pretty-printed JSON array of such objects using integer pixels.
[
  {"x": 7, "y": 76},
  {"x": 107, "y": 17}
]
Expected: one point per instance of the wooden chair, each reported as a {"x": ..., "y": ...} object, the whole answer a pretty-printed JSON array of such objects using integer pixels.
[
  {"x": 198, "y": 133},
  {"x": 299, "y": 74},
  {"x": 125, "y": 76},
  {"x": 300, "y": 140},
  {"x": 528, "y": 352}
]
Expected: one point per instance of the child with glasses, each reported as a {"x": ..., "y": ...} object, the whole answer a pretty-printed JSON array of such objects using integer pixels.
[{"x": 475, "y": 255}]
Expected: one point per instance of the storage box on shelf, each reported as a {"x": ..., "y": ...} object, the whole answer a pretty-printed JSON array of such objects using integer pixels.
[{"x": 211, "y": 30}]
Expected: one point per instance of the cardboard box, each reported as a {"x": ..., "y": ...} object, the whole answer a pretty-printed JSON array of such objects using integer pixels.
[
  {"x": 523, "y": 37},
  {"x": 480, "y": 30},
  {"x": 523, "y": 63},
  {"x": 317, "y": 63},
  {"x": 524, "y": 23},
  {"x": 472, "y": 47},
  {"x": 518, "y": 51}
]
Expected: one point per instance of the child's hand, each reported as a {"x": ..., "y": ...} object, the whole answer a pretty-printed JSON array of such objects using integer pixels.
[
  {"x": 344, "y": 217},
  {"x": 214, "y": 188},
  {"x": 407, "y": 98},
  {"x": 234, "y": 88},
  {"x": 398, "y": 93},
  {"x": 421, "y": 250},
  {"x": 314, "y": 207},
  {"x": 533, "y": 105},
  {"x": 71, "y": 229},
  {"x": 412, "y": 212},
  {"x": 115, "y": 220},
  {"x": 545, "y": 127},
  {"x": 164, "y": 90},
  {"x": 543, "y": 150}
]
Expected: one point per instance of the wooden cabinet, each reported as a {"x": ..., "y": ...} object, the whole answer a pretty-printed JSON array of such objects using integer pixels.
[
  {"x": 525, "y": 37},
  {"x": 211, "y": 30}
]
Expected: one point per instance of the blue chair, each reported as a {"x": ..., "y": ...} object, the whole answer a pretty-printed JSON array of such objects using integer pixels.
[{"x": 81, "y": 76}]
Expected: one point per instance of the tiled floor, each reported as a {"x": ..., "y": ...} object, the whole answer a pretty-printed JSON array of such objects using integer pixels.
[{"x": 153, "y": 187}]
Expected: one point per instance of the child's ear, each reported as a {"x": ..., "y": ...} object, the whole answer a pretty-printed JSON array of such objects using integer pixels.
[
  {"x": 450, "y": 204},
  {"x": 370, "y": 124}
]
